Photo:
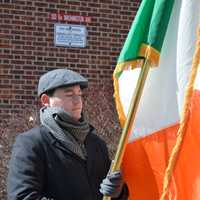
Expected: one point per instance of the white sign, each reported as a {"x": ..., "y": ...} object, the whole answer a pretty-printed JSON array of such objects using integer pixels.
[{"x": 70, "y": 35}]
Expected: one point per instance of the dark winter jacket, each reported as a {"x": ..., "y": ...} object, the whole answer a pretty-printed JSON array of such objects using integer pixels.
[{"x": 40, "y": 167}]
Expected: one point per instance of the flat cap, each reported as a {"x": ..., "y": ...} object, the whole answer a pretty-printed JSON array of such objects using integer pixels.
[{"x": 60, "y": 77}]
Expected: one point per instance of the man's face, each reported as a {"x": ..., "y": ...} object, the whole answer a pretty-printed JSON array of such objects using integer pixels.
[{"x": 68, "y": 98}]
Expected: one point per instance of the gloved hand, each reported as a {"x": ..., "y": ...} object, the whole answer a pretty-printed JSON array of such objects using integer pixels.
[{"x": 112, "y": 185}]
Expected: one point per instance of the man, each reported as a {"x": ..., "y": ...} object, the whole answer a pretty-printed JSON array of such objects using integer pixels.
[{"x": 63, "y": 158}]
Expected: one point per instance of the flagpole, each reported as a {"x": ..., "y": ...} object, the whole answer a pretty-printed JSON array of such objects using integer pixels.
[{"x": 130, "y": 117}]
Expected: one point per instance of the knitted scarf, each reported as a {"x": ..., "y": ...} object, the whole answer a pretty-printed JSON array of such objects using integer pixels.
[{"x": 65, "y": 129}]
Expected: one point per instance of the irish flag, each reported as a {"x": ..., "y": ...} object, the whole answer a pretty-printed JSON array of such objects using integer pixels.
[{"x": 167, "y": 30}]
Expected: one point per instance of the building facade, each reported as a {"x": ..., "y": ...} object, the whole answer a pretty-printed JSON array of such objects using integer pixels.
[{"x": 41, "y": 35}]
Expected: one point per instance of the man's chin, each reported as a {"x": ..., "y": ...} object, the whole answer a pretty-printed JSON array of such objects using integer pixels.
[{"x": 77, "y": 117}]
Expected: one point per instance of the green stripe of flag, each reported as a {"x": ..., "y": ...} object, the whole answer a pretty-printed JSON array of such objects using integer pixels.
[{"x": 149, "y": 27}]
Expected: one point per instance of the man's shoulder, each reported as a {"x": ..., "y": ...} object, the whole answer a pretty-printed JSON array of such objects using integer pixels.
[
  {"x": 33, "y": 135},
  {"x": 34, "y": 132},
  {"x": 93, "y": 135},
  {"x": 29, "y": 144}
]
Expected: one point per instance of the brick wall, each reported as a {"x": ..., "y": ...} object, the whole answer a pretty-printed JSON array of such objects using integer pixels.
[{"x": 27, "y": 48}]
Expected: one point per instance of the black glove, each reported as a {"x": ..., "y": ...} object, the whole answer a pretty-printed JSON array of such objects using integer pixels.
[{"x": 112, "y": 185}]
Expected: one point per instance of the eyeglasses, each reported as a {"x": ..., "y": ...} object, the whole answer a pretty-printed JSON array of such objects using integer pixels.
[{"x": 73, "y": 97}]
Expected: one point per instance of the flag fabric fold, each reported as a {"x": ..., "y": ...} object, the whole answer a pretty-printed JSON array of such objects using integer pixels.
[
  {"x": 145, "y": 40},
  {"x": 168, "y": 29}
]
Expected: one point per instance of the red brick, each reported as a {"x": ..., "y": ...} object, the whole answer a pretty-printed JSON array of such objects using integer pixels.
[{"x": 27, "y": 44}]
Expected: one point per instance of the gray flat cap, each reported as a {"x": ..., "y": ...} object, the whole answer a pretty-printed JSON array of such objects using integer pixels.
[{"x": 60, "y": 77}]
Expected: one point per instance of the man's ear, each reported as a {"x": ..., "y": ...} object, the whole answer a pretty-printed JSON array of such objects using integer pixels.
[{"x": 45, "y": 99}]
